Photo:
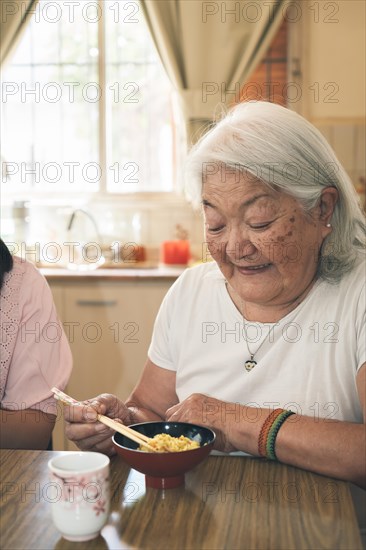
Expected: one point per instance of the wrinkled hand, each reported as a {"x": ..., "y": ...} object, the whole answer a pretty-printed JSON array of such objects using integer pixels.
[
  {"x": 83, "y": 428},
  {"x": 205, "y": 411}
]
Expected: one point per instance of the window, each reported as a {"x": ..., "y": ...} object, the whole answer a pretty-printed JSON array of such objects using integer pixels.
[
  {"x": 269, "y": 80},
  {"x": 87, "y": 106}
]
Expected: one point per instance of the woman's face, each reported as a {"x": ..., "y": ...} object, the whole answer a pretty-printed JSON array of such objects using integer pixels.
[{"x": 265, "y": 245}]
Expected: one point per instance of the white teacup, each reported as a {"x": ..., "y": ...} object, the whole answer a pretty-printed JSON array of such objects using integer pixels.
[{"x": 79, "y": 494}]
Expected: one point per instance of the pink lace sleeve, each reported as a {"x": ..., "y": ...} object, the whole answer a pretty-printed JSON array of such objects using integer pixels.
[{"x": 34, "y": 349}]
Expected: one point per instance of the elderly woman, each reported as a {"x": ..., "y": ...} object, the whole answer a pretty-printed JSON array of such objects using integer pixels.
[{"x": 266, "y": 345}]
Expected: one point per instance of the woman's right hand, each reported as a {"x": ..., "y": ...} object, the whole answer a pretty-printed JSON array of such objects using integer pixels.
[{"x": 83, "y": 428}]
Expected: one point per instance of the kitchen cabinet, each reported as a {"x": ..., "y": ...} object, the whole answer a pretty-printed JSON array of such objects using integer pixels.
[
  {"x": 327, "y": 60},
  {"x": 109, "y": 326}
]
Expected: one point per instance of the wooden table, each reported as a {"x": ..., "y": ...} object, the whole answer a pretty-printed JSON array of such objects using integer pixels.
[{"x": 227, "y": 502}]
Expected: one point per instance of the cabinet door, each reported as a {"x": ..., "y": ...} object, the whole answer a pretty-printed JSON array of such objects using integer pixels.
[
  {"x": 109, "y": 326},
  {"x": 327, "y": 60}
]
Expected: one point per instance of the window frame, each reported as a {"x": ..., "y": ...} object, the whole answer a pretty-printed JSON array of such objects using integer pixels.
[{"x": 143, "y": 199}]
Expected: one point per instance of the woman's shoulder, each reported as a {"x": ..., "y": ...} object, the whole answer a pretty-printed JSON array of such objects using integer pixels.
[
  {"x": 26, "y": 271},
  {"x": 203, "y": 271},
  {"x": 355, "y": 279},
  {"x": 14, "y": 278},
  {"x": 12, "y": 291},
  {"x": 199, "y": 275},
  {"x": 24, "y": 280},
  {"x": 194, "y": 282},
  {"x": 20, "y": 265},
  {"x": 349, "y": 289}
]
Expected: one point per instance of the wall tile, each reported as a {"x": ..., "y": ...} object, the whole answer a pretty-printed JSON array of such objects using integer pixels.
[
  {"x": 345, "y": 144},
  {"x": 360, "y": 161}
]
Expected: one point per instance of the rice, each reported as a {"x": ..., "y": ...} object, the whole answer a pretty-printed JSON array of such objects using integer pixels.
[{"x": 165, "y": 443}]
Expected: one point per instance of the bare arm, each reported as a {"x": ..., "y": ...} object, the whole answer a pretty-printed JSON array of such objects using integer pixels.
[
  {"x": 337, "y": 449},
  {"x": 26, "y": 429},
  {"x": 153, "y": 395},
  {"x": 329, "y": 447}
]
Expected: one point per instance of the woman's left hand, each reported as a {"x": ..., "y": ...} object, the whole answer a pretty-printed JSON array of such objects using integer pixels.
[{"x": 209, "y": 412}]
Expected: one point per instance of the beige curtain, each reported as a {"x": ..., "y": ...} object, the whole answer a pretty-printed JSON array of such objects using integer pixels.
[
  {"x": 210, "y": 49},
  {"x": 14, "y": 15}
]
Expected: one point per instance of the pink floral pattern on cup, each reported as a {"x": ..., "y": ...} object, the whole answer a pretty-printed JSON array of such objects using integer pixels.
[
  {"x": 82, "y": 491},
  {"x": 79, "y": 494}
]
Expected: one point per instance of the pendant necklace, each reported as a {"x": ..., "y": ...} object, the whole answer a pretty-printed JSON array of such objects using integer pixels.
[{"x": 251, "y": 363}]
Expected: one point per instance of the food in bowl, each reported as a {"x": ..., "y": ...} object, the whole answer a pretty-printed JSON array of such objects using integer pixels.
[
  {"x": 165, "y": 470},
  {"x": 165, "y": 443}
]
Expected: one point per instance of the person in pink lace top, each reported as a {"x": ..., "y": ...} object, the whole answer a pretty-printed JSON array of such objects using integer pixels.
[{"x": 34, "y": 355}]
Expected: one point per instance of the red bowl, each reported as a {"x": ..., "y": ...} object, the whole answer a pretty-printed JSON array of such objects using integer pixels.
[{"x": 165, "y": 470}]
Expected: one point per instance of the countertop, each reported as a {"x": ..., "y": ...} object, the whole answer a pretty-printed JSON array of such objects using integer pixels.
[{"x": 115, "y": 273}]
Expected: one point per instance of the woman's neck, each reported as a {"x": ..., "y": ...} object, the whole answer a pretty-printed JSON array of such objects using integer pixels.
[{"x": 267, "y": 313}]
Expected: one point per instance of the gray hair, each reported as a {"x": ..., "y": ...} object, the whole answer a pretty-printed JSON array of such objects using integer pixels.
[{"x": 286, "y": 152}]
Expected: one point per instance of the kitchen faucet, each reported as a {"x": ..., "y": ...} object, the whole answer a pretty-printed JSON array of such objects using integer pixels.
[
  {"x": 91, "y": 218},
  {"x": 86, "y": 262}
]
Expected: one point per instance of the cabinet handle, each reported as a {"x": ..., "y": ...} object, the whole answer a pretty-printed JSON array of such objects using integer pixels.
[{"x": 98, "y": 303}]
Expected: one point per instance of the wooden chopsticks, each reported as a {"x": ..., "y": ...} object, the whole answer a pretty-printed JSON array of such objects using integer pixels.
[{"x": 141, "y": 439}]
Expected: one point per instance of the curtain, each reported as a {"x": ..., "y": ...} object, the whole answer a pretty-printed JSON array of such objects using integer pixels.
[
  {"x": 14, "y": 15},
  {"x": 210, "y": 49}
]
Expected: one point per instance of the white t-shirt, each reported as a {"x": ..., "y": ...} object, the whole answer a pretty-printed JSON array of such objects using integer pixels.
[{"x": 307, "y": 363}]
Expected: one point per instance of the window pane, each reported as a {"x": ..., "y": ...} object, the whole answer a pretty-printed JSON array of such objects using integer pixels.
[
  {"x": 51, "y": 117},
  {"x": 53, "y": 97},
  {"x": 139, "y": 105}
]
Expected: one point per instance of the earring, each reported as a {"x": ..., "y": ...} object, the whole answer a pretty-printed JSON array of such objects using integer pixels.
[{"x": 328, "y": 225}]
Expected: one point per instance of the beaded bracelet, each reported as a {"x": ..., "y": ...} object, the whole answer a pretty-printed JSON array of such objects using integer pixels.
[
  {"x": 272, "y": 433},
  {"x": 263, "y": 435}
]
